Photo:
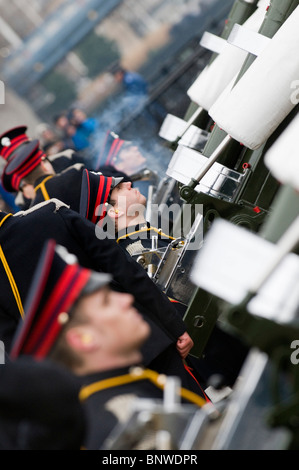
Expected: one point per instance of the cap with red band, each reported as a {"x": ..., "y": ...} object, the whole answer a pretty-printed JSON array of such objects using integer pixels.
[
  {"x": 111, "y": 148},
  {"x": 25, "y": 159},
  {"x": 56, "y": 286},
  {"x": 11, "y": 140},
  {"x": 95, "y": 193}
]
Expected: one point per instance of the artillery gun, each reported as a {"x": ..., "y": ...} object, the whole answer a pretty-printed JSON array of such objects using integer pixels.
[
  {"x": 259, "y": 300},
  {"x": 245, "y": 273},
  {"x": 251, "y": 276},
  {"x": 229, "y": 178}
]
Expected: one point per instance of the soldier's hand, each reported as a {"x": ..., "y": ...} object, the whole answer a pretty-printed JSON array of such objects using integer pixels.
[{"x": 184, "y": 345}]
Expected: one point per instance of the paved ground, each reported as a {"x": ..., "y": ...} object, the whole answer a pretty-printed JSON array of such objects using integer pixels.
[{"x": 16, "y": 112}]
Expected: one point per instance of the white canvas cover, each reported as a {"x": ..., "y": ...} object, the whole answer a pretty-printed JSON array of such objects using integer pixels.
[
  {"x": 262, "y": 98},
  {"x": 230, "y": 262},
  {"x": 282, "y": 158},
  {"x": 215, "y": 77}
]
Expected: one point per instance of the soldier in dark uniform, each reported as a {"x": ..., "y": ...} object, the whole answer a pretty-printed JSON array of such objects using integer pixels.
[
  {"x": 30, "y": 171},
  {"x": 75, "y": 319},
  {"x": 133, "y": 232},
  {"x": 14, "y": 144},
  {"x": 125, "y": 206},
  {"x": 98, "y": 205},
  {"x": 9, "y": 141},
  {"x": 22, "y": 237},
  {"x": 126, "y": 157},
  {"x": 15, "y": 138},
  {"x": 44, "y": 396},
  {"x": 111, "y": 154}
]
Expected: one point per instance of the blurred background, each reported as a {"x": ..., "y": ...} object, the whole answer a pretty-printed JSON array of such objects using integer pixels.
[{"x": 56, "y": 55}]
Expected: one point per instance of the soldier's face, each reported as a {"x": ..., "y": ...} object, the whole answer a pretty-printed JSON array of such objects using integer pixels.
[
  {"x": 131, "y": 156},
  {"x": 114, "y": 323},
  {"x": 128, "y": 199}
]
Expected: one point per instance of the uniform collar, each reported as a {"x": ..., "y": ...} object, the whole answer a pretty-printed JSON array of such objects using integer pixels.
[
  {"x": 133, "y": 228},
  {"x": 40, "y": 180},
  {"x": 107, "y": 374}
]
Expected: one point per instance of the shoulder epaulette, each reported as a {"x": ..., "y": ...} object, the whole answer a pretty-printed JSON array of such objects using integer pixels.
[
  {"x": 58, "y": 204},
  {"x": 68, "y": 153},
  {"x": 76, "y": 166}
]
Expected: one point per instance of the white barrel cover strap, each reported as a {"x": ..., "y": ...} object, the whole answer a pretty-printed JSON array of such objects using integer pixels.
[
  {"x": 282, "y": 158},
  {"x": 216, "y": 76},
  {"x": 262, "y": 98}
]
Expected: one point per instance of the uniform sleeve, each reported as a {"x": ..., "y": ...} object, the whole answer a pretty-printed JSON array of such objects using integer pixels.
[
  {"x": 8, "y": 325},
  {"x": 106, "y": 256},
  {"x": 43, "y": 394}
]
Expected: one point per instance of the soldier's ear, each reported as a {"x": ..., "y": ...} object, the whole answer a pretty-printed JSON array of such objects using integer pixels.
[
  {"x": 80, "y": 339},
  {"x": 47, "y": 166},
  {"x": 115, "y": 213},
  {"x": 28, "y": 191}
]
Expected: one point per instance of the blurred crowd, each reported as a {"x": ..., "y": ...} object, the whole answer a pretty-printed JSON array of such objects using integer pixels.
[{"x": 71, "y": 129}]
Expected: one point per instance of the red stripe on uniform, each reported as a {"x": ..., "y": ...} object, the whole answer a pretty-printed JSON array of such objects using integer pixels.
[
  {"x": 62, "y": 297},
  {"x": 18, "y": 175}
]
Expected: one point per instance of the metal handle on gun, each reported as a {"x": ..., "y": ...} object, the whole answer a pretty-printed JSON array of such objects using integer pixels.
[
  {"x": 184, "y": 243},
  {"x": 211, "y": 160},
  {"x": 190, "y": 121}
]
